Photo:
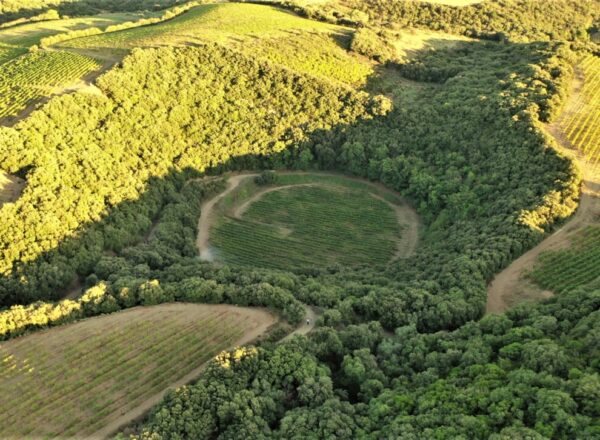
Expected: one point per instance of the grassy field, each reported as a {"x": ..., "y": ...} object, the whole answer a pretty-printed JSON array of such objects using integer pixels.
[
  {"x": 563, "y": 270},
  {"x": 267, "y": 32},
  {"x": 71, "y": 381},
  {"x": 39, "y": 74},
  {"x": 305, "y": 221},
  {"x": 581, "y": 124}
]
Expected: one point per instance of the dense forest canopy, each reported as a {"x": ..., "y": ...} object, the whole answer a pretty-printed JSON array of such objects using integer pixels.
[{"x": 109, "y": 198}]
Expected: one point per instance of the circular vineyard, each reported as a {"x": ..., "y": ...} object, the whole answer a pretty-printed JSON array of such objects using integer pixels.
[{"x": 305, "y": 221}]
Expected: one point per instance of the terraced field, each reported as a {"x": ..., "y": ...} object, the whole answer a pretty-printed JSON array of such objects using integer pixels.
[
  {"x": 38, "y": 74},
  {"x": 311, "y": 220},
  {"x": 581, "y": 124},
  {"x": 267, "y": 32},
  {"x": 121, "y": 361}
]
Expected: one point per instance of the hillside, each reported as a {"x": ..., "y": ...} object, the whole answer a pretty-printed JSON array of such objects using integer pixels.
[{"x": 364, "y": 169}]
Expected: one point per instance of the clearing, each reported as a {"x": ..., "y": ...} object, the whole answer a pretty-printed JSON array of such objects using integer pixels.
[
  {"x": 306, "y": 220},
  {"x": 515, "y": 283},
  {"x": 124, "y": 364},
  {"x": 11, "y": 187}
]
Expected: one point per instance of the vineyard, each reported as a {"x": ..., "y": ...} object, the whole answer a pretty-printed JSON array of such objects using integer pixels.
[
  {"x": 121, "y": 360},
  {"x": 581, "y": 124},
  {"x": 306, "y": 222},
  {"x": 564, "y": 270},
  {"x": 35, "y": 75},
  {"x": 269, "y": 33},
  {"x": 8, "y": 52}
]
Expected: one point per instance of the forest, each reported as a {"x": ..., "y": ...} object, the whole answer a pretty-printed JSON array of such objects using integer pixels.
[{"x": 401, "y": 350}]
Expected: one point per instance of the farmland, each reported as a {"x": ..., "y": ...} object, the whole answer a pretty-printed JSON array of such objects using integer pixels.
[
  {"x": 575, "y": 262},
  {"x": 376, "y": 162},
  {"x": 27, "y": 35},
  {"x": 39, "y": 74},
  {"x": 581, "y": 124},
  {"x": 311, "y": 220},
  {"x": 564, "y": 270},
  {"x": 122, "y": 360}
]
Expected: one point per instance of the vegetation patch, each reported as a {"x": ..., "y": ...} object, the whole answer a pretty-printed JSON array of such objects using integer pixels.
[
  {"x": 309, "y": 221},
  {"x": 71, "y": 381}
]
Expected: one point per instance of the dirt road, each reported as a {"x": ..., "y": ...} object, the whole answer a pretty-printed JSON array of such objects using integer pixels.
[{"x": 207, "y": 217}]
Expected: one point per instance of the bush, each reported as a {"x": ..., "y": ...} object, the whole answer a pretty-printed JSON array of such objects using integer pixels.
[{"x": 266, "y": 178}]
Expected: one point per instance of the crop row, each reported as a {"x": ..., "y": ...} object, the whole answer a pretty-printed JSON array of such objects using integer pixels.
[
  {"x": 567, "y": 269},
  {"x": 582, "y": 124},
  {"x": 308, "y": 226},
  {"x": 37, "y": 74},
  {"x": 115, "y": 372}
]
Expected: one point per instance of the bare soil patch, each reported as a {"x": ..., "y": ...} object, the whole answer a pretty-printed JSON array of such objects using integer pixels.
[{"x": 11, "y": 188}]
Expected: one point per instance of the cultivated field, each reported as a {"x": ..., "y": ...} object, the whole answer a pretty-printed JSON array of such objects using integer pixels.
[
  {"x": 26, "y": 35},
  {"x": 267, "y": 32},
  {"x": 39, "y": 74},
  {"x": 576, "y": 266},
  {"x": 581, "y": 123},
  {"x": 83, "y": 378},
  {"x": 311, "y": 220}
]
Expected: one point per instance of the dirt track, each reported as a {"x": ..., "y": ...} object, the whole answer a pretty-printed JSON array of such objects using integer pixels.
[
  {"x": 510, "y": 286},
  {"x": 207, "y": 217}
]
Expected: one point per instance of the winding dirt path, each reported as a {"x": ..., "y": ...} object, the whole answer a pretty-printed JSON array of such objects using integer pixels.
[
  {"x": 240, "y": 210},
  {"x": 511, "y": 286},
  {"x": 207, "y": 217},
  {"x": 407, "y": 217}
]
